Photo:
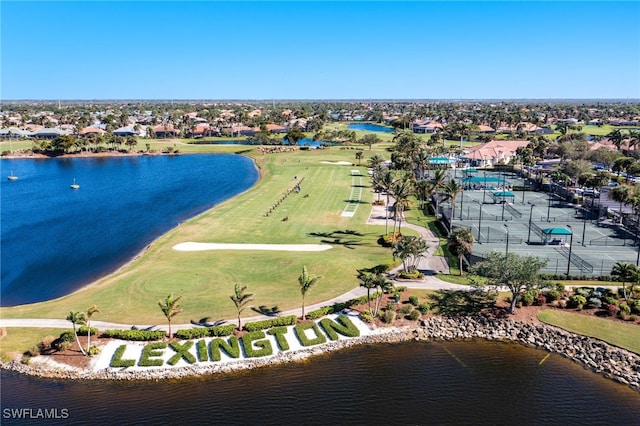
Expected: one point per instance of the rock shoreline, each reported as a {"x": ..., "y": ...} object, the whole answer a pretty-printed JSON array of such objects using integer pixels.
[{"x": 611, "y": 362}]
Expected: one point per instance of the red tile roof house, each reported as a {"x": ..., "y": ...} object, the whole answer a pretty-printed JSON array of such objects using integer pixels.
[
  {"x": 90, "y": 131},
  {"x": 202, "y": 130},
  {"x": 426, "y": 126},
  {"x": 492, "y": 153},
  {"x": 274, "y": 128},
  {"x": 163, "y": 131}
]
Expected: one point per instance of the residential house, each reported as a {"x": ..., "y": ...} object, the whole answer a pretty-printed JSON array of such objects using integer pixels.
[
  {"x": 165, "y": 131},
  {"x": 48, "y": 133},
  {"x": 492, "y": 153},
  {"x": 125, "y": 131}
]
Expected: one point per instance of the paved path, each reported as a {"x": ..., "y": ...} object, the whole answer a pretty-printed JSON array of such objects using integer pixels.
[{"x": 429, "y": 265}]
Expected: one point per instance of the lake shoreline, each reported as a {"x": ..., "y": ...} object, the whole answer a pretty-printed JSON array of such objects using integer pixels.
[{"x": 601, "y": 358}]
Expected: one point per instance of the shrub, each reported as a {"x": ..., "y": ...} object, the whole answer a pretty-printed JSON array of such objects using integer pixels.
[
  {"x": 405, "y": 309},
  {"x": 255, "y": 349},
  {"x": 562, "y": 303},
  {"x": 415, "y": 315},
  {"x": 366, "y": 316},
  {"x": 625, "y": 309},
  {"x": 541, "y": 300},
  {"x": 33, "y": 351},
  {"x": 424, "y": 308},
  {"x": 413, "y": 300},
  {"x": 612, "y": 301},
  {"x": 613, "y": 309},
  {"x": 67, "y": 336},
  {"x": 319, "y": 313},
  {"x": 635, "y": 307},
  {"x": 528, "y": 297},
  {"x": 83, "y": 331},
  {"x": 583, "y": 291},
  {"x": 594, "y": 302},
  {"x": 135, "y": 335},
  {"x": 577, "y": 301},
  {"x": 222, "y": 330},
  {"x": 401, "y": 289},
  {"x": 273, "y": 322},
  {"x": 341, "y": 325},
  {"x": 552, "y": 295},
  {"x": 197, "y": 333},
  {"x": 300, "y": 332},
  {"x": 389, "y": 316},
  {"x": 632, "y": 317},
  {"x": 181, "y": 353},
  {"x": 94, "y": 351}
]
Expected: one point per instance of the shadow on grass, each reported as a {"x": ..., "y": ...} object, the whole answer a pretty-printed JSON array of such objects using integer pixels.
[
  {"x": 206, "y": 322},
  {"x": 265, "y": 310},
  {"x": 459, "y": 302}
]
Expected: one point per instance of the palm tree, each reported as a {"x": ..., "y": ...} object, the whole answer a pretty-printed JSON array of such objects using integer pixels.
[
  {"x": 359, "y": 156},
  {"x": 402, "y": 189},
  {"x": 625, "y": 272},
  {"x": 170, "y": 308},
  {"x": 451, "y": 191},
  {"x": 385, "y": 285},
  {"x": 240, "y": 299},
  {"x": 90, "y": 311},
  {"x": 306, "y": 281},
  {"x": 77, "y": 318},
  {"x": 460, "y": 244},
  {"x": 367, "y": 281},
  {"x": 616, "y": 137},
  {"x": 386, "y": 182},
  {"x": 409, "y": 250},
  {"x": 622, "y": 194}
]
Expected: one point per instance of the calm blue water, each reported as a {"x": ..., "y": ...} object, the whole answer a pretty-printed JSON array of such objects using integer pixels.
[
  {"x": 55, "y": 239},
  {"x": 370, "y": 127}
]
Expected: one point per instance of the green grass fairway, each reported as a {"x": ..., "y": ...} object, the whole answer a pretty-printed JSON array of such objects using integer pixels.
[
  {"x": 206, "y": 279},
  {"x": 625, "y": 336},
  {"x": 17, "y": 340}
]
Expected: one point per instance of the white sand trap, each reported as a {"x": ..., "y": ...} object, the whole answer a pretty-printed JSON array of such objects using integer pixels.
[
  {"x": 191, "y": 246},
  {"x": 339, "y": 163}
]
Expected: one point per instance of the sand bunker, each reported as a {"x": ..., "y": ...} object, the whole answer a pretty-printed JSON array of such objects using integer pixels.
[
  {"x": 191, "y": 246},
  {"x": 339, "y": 163}
]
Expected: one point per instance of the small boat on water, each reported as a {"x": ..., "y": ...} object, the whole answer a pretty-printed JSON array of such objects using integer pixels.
[
  {"x": 12, "y": 176},
  {"x": 74, "y": 185}
]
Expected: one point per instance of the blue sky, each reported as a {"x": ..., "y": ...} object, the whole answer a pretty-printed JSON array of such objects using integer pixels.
[{"x": 319, "y": 50}]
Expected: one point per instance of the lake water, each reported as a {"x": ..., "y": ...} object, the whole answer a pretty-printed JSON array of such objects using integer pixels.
[
  {"x": 56, "y": 239},
  {"x": 460, "y": 383},
  {"x": 370, "y": 127}
]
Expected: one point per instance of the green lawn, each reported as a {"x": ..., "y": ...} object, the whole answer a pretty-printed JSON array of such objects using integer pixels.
[
  {"x": 619, "y": 334},
  {"x": 206, "y": 279},
  {"x": 18, "y": 340}
]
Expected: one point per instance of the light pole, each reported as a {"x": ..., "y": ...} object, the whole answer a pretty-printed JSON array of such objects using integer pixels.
[
  {"x": 506, "y": 251},
  {"x": 461, "y": 198},
  {"x": 584, "y": 226},
  {"x": 570, "y": 247},
  {"x": 484, "y": 188},
  {"x": 479, "y": 221},
  {"x": 530, "y": 217},
  {"x": 549, "y": 209}
]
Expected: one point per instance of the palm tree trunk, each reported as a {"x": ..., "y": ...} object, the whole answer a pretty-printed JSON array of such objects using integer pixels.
[{"x": 75, "y": 332}]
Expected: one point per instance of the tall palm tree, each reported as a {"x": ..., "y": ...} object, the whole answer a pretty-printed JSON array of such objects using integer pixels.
[
  {"x": 387, "y": 181},
  {"x": 77, "y": 318},
  {"x": 359, "y": 156},
  {"x": 385, "y": 286},
  {"x": 616, "y": 137},
  {"x": 622, "y": 194},
  {"x": 451, "y": 191},
  {"x": 460, "y": 244},
  {"x": 240, "y": 299},
  {"x": 402, "y": 189},
  {"x": 367, "y": 281},
  {"x": 306, "y": 281},
  {"x": 170, "y": 308},
  {"x": 90, "y": 311}
]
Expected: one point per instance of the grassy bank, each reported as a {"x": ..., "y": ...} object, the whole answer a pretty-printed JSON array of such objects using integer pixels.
[
  {"x": 206, "y": 279},
  {"x": 625, "y": 336}
]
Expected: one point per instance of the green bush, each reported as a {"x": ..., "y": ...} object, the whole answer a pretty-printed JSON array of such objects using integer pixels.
[
  {"x": 612, "y": 301},
  {"x": 624, "y": 309},
  {"x": 415, "y": 315},
  {"x": 274, "y": 322},
  {"x": 413, "y": 300},
  {"x": 279, "y": 333},
  {"x": 401, "y": 289},
  {"x": 583, "y": 291},
  {"x": 594, "y": 302},
  {"x": 405, "y": 309},
  {"x": 342, "y": 325},
  {"x": 181, "y": 353},
  {"x": 231, "y": 347},
  {"x": 577, "y": 301},
  {"x": 197, "y": 333},
  {"x": 94, "y": 351},
  {"x": 635, "y": 306},
  {"x": 83, "y": 331},
  {"x": 366, "y": 316},
  {"x": 135, "y": 335},
  {"x": 319, "y": 313},
  {"x": 389, "y": 316},
  {"x": 424, "y": 308},
  {"x": 67, "y": 336},
  {"x": 529, "y": 297},
  {"x": 552, "y": 295}
]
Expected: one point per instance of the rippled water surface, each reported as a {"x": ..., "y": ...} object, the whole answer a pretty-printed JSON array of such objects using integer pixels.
[{"x": 411, "y": 383}]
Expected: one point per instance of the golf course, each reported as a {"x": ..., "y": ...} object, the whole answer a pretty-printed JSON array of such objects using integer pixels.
[{"x": 299, "y": 200}]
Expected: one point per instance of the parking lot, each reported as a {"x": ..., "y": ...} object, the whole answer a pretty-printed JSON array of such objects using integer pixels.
[{"x": 540, "y": 224}]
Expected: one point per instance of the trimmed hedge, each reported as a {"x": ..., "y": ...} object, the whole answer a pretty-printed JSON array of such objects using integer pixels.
[
  {"x": 255, "y": 345},
  {"x": 342, "y": 325},
  {"x": 135, "y": 335},
  {"x": 337, "y": 307},
  {"x": 197, "y": 333},
  {"x": 300, "y": 331},
  {"x": 150, "y": 351},
  {"x": 279, "y": 333},
  {"x": 274, "y": 322},
  {"x": 181, "y": 352},
  {"x": 117, "y": 361},
  {"x": 83, "y": 330}
]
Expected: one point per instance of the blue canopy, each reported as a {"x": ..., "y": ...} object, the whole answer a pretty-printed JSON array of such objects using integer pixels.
[{"x": 557, "y": 231}]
